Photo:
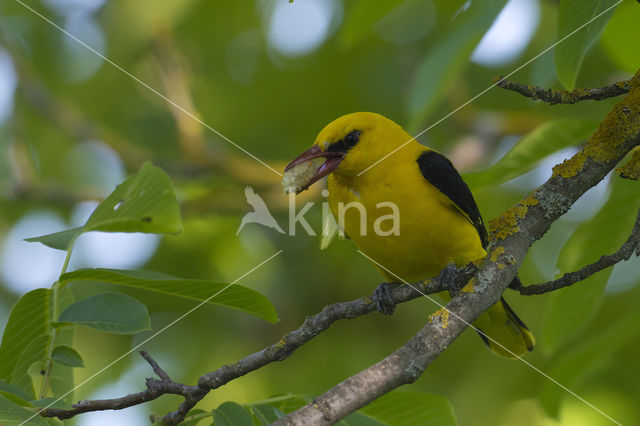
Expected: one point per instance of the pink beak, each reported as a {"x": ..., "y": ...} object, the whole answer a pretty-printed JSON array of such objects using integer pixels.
[{"x": 333, "y": 160}]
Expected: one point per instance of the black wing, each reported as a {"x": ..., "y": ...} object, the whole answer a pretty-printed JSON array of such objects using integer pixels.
[{"x": 438, "y": 170}]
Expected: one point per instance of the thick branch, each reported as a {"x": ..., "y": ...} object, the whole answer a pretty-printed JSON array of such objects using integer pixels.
[
  {"x": 626, "y": 251},
  {"x": 564, "y": 96},
  {"x": 512, "y": 234}
]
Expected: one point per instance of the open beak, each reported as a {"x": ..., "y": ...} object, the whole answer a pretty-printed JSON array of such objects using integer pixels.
[{"x": 331, "y": 164}]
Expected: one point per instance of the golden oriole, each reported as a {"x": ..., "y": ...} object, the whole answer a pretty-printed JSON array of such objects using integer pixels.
[{"x": 438, "y": 221}]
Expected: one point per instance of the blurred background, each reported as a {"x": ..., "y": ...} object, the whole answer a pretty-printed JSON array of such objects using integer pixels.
[{"x": 269, "y": 75}]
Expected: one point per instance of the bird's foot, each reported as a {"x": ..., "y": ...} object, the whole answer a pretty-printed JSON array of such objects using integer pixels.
[
  {"x": 383, "y": 296},
  {"x": 448, "y": 277}
]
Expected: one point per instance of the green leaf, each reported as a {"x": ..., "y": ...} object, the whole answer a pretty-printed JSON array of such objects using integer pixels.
[
  {"x": 11, "y": 388},
  {"x": 61, "y": 378},
  {"x": 362, "y": 16},
  {"x": 12, "y": 414},
  {"x": 411, "y": 408},
  {"x": 231, "y": 414},
  {"x": 235, "y": 296},
  {"x": 52, "y": 403},
  {"x": 15, "y": 398},
  {"x": 110, "y": 312},
  {"x": 67, "y": 356},
  {"x": 145, "y": 202},
  {"x": 266, "y": 414},
  {"x": 621, "y": 38},
  {"x": 358, "y": 418},
  {"x": 25, "y": 338},
  {"x": 59, "y": 240},
  {"x": 544, "y": 140},
  {"x": 570, "y": 310},
  {"x": 193, "y": 413},
  {"x": 284, "y": 403},
  {"x": 28, "y": 371},
  {"x": 570, "y": 53},
  {"x": 588, "y": 356},
  {"x": 441, "y": 67}
]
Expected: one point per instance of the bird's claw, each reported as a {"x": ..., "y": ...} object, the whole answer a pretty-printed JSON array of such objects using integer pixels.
[
  {"x": 383, "y": 296},
  {"x": 448, "y": 277}
]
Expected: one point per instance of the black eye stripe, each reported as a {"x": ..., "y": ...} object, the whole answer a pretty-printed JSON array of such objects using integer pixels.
[{"x": 346, "y": 143}]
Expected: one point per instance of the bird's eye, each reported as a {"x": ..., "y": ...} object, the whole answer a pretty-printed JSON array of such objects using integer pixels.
[
  {"x": 346, "y": 143},
  {"x": 352, "y": 138}
]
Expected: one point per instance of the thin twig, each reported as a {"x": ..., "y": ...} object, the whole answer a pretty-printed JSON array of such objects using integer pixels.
[
  {"x": 155, "y": 389},
  {"x": 565, "y": 96},
  {"x": 626, "y": 251},
  {"x": 154, "y": 365}
]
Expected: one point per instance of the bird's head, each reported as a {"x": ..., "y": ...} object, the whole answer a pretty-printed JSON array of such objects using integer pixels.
[{"x": 350, "y": 144}]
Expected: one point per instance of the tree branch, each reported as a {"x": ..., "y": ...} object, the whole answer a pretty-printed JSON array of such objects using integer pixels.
[
  {"x": 626, "y": 251},
  {"x": 278, "y": 351},
  {"x": 564, "y": 96},
  {"x": 155, "y": 389},
  {"x": 512, "y": 234}
]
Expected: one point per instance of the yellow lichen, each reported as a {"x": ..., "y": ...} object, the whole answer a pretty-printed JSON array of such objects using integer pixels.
[
  {"x": 571, "y": 166},
  {"x": 507, "y": 224},
  {"x": 468, "y": 288},
  {"x": 497, "y": 252},
  {"x": 631, "y": 170},
  {"x": 440, "y": 316},
  {"x": 606, "y": 142}
]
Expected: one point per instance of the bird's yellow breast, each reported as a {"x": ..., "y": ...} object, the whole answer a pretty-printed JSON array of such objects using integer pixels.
[{"x": 413, "y": 240}]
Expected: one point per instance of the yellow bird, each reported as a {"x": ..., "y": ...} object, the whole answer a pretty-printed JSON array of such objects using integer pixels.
[{"x": 411, "y": 213}]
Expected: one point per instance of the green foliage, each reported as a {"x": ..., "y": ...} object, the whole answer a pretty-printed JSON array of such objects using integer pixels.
[
  {"x": 442, "y": 65},
  {"x": 621, "y": 37},
  {"x": 59, "y": 240},
  {"x": 8, "y": 388},
  {"x": 37, "y": 354},
  {"x": 362, "y": 16},
  {"x": 411, "y": 408},
  {"x": 266, "y": 414},
  {"x": 571, "y": 309},
  {"x": 145, "y": 202},
  {"x": 573, "y": 15},
  {"x": 231, "y": 414},
  {"x": 235, "y": 296},
  {"x": 539, "y": 143},
  {"x": 13, "y": 414},
  {"x": 67, "y": 356},
  {"x": 586, "y": 358},
  {"x": 26, "y": 338},
  {"x": 111, "y": 312}
]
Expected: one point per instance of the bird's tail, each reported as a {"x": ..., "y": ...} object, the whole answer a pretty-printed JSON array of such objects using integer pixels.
[{"x": 500, "y": 324}]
